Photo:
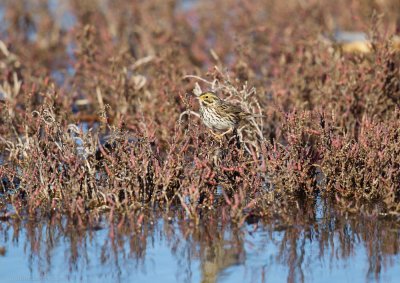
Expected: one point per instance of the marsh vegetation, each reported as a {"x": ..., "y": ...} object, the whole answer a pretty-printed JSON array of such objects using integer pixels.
[{"x": 92, "y": 136}]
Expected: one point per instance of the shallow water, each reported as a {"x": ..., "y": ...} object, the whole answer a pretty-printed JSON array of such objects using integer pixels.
[
  {"x": 314, "y": 246},
  {"x": 328, "y": 249}
]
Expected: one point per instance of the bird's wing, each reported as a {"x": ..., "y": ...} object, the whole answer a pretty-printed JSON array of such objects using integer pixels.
[
  {"x": 231, "y": 109},
  {"x": 238, "y": 111}
]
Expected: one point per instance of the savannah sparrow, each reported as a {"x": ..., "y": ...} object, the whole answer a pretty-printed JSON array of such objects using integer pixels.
[{"x": 221, "y": 115}]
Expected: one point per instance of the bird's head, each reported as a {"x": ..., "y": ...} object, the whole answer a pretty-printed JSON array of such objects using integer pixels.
[{"x": 208, "y": 98}]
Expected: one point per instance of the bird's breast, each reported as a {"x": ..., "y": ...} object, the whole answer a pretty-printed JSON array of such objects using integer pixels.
[{"x": 214, "y": 120}]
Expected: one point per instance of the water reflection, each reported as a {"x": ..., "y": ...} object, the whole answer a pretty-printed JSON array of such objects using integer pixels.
[
  {"x": 299, "y": 248},
  {"x": 218, "y": 248}
]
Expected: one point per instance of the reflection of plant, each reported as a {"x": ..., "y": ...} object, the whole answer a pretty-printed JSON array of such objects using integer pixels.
[
  {"x": 89, "y": 111},
  {"x": 302, "y": 235}
]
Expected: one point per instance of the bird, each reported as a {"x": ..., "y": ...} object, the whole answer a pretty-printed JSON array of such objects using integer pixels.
[{"x": 222, "y": 116}]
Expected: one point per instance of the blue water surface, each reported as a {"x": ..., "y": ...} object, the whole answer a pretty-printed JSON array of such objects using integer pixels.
[{"x": 244, "y": 255}]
